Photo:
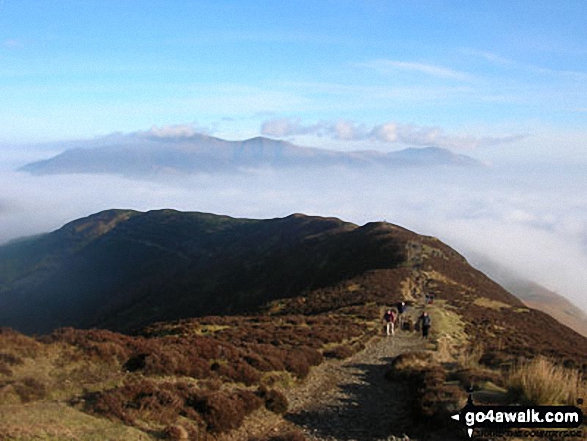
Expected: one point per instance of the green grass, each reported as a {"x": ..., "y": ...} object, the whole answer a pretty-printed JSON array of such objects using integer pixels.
[
  {"x": 59, "y": 422},
  {"x": 492, "y": 304},
  {"x": 445, "y": 321}
]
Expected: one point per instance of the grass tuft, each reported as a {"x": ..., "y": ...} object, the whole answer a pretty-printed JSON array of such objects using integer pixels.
[{"x": 541, "y": 382}]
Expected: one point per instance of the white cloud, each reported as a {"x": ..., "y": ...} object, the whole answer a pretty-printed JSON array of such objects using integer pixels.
[
  {"x": 281, "y": 127},
  {"x": 505, "y": 62},
  {"x": 175, "y": 131},
  {"x": 385, "y": 132},
  {"x": 388, "y": 66},
  {"x": 388, "y": 132},
  {"x": 522, "y": 216},
  {"x": 345, "y": 130},
  {"x": 341, "y": 130},
  {"x": 285, "y": 127},
  {"x": 424, "y": 136},
  {"x": 489, "y": 56}
]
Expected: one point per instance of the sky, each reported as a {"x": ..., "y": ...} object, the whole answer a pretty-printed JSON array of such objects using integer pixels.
[
  {"x": 504, "y": 82},
  {"x": 475, "y": 73}
]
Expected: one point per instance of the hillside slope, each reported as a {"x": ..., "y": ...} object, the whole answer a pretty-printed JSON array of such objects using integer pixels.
[
  {"x": 555, "y": 305},
  {"x": 122, "y": 269},
  {"x": 535, "y": 296}
]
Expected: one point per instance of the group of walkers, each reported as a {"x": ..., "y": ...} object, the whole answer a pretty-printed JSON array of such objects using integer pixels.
[
  {"x": 392, "y": 316},
  {"x": 420, "y": 285}
]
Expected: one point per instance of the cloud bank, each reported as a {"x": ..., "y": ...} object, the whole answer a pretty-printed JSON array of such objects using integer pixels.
[{"x": 390, "y": 132}]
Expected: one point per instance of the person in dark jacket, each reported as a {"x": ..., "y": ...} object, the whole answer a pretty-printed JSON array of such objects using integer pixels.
[
  {"x": 425, "y": 324},
  {"x": 401, "y": 308}
]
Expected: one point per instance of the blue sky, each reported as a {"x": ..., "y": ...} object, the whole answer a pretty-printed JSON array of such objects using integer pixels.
[{"x": 465, "y": 75}]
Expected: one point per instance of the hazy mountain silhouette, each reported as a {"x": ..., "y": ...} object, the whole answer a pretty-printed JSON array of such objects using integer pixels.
[
  {"x": 535, "y": 295},
  {"x": 147, "y": 155}
]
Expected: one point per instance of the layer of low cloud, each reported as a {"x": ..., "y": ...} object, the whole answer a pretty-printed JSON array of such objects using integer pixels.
[{"x": 389, "y": 132}]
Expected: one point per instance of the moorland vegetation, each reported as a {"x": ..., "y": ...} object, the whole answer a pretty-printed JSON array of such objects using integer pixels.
[{"x": 300, "y": 292}]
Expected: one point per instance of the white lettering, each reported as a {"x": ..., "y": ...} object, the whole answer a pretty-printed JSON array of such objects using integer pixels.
[
  {"x": 470, "y": 418},
  {"x": 510, "y": 417},
  {"x": 536, "y": 417}
]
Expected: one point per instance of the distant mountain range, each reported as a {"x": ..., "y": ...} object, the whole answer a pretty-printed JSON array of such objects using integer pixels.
[{"x": 141, "y": 154}]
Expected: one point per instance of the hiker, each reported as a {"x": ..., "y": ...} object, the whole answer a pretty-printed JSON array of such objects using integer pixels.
[
  {"x": 401, "y": 308},
  {"x": 426, "y": 322},
  {"x": 388, "y": 320}
]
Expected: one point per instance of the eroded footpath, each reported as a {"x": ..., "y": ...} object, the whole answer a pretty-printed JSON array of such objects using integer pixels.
[{"x": 352, "y": 400}]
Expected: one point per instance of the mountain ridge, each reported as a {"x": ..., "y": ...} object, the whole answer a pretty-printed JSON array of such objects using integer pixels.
[
  {"x": 135, "y": 258},
  {"x": 123, "y": 270},
  {"x": 138, "y": 155}
]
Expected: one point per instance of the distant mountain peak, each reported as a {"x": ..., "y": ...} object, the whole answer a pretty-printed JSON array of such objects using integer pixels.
[{"x": 264, "y": 139}]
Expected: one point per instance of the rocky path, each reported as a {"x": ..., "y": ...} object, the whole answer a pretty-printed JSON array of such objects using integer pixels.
[{"x": 351, "y": 399}]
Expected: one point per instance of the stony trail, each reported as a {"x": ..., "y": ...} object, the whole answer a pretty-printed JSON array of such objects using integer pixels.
[{"x": 351, "y": 399}]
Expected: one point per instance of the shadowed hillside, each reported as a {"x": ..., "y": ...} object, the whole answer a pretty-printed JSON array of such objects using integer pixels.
[{"x": 123, "y": 269}]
